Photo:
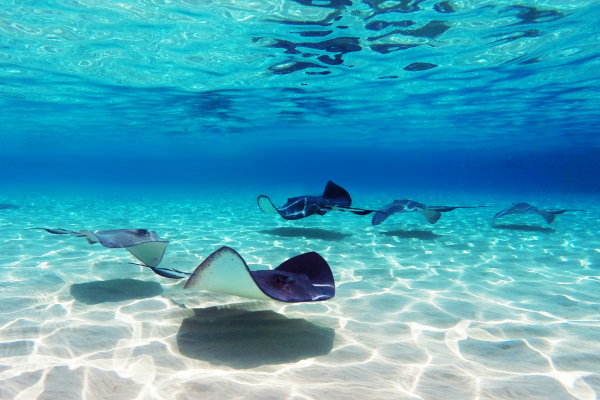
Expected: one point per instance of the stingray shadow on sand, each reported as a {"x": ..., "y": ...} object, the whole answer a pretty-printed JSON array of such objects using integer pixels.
[
  {"x": 245, "y": 339},
  {"x": 114, "y": 290},
  {"x": 308, "y": 233},
  {"x": 423, "y": 235},
  {"x": 4, "y": 206},
  {"x": 525, "y": 228}
]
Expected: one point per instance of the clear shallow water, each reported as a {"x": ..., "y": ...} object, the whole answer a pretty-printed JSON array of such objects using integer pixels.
[
  {"x": 455, "y": 310},
  {"x": 175, "y": 116}
]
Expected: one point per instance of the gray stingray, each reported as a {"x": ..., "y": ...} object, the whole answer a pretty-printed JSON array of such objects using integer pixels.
[
  {"x": 304, "y": 278},
  {"x": 143, "y": 244},
  {"x": 525, "y": 208},
  {"x": 431, "y": 213}
]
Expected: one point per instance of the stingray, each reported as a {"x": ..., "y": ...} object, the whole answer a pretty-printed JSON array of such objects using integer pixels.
[
  {"x": 524, "y": 208},
  {"x": 431, "y": 213},
  {"x": 334, "y": 198},
  {"x": 143, "y": 244},
  {"x": 303, "y": 278}
]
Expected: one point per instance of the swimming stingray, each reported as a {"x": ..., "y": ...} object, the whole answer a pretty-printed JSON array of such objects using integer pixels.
[
  {"x": 524, "y": 208},
  {"x": 143, "y": 244},
  {"x": 431, "y": 213},
  {"x": 306, "y": 277},
  {"x": 334, "y": 198}
]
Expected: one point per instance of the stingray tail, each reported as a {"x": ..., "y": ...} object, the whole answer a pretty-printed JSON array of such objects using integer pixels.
[
  {"x": 171, "y": 273},
  {"x": 354, "y": 210}
]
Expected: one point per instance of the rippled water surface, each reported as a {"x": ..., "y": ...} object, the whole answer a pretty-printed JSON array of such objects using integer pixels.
[{"x": 493, "y": 71}]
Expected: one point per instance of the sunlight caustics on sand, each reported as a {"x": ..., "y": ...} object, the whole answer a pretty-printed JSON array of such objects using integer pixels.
[{"x": 456, "y": 310}]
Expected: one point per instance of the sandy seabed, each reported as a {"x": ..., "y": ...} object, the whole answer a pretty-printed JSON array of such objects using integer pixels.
[{"x": 456, "y": 310}]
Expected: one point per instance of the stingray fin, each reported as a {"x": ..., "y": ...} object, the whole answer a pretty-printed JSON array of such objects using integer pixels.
[
  {"x": 266, "y": 205},
  {"x": 225, "y": 271},
  {"x": 150, "y": 253},
  {"x": 549, "y": 217},
  {"x": 379, "y": 217},
  {"x": 338, "y": 193},
  {"x": 432, "y": 216},
  {"x": 89, "y": 236}
]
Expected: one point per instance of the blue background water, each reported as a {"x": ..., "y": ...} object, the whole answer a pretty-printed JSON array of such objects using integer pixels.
[{"x": 493, "y": 95}]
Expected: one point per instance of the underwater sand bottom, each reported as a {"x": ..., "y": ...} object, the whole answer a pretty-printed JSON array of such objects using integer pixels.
[{"x": 456, "y": 310}]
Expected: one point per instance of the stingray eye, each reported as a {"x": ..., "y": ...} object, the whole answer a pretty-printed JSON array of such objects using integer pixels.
[{"x": 143, "y": 231}]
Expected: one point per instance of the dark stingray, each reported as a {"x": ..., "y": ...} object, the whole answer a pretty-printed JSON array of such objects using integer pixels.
[
  {"x": 306, "y": 277},
  {"x": 524, "y": 208},
  {"x": 334, "y": 198},
  {"x": 8, "y": 206},
  {"x": 431, "y": 213}
]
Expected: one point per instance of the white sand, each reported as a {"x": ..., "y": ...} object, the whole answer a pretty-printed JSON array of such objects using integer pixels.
[{"x": 455, "y": 310}]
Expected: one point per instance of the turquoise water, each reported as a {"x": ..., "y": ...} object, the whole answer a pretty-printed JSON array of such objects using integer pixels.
[{"x": 175, "y": 116}]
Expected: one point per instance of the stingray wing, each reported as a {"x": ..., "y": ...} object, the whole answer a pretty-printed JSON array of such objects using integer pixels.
[
  {"x": 548, "y": 217},
  {"x": 225, "y": 271},
  {"x": 266, "y": 205},
  {"x": 398, "y": 206},
  {"x": 515, "y": 208},
  {"x": 337, "y": 195},
  {"x": 143, "y": 244}
]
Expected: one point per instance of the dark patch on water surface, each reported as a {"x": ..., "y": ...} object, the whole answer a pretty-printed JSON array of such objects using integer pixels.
[
  {"x": 532, "y": 15},
  {"x": 423, "y": 235},
  {"x": 379, "y": 25},
  {"x": 307, "y": 233},
  {"x": 246, "y": 339},
  {"x": 419, "y": 66},
  {"x": 340, "y": 46},
  {"x": 325, "y": 3},
  {"x": 431, "y": 30},
  {"x": 8, "y": 207},
  {"x": 114, "y": 290},
  {"x": 444, "y": 7},
  {"x": 313, "y": 33},
  {"x": 515, "y": 36},
  {"x": 328, "y": 20},
  {"x": 391, "y": 47},
  {"x": 525, "y": 228}
]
